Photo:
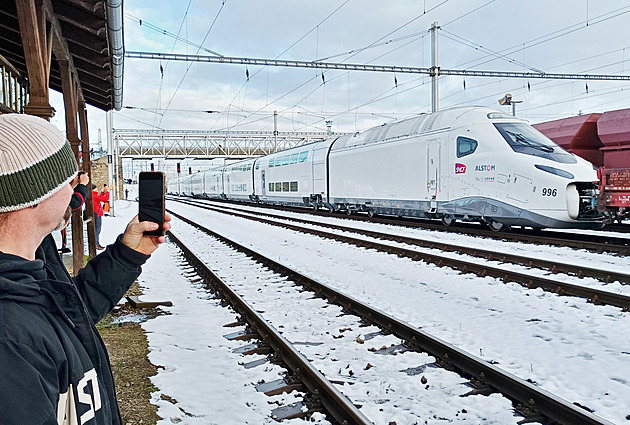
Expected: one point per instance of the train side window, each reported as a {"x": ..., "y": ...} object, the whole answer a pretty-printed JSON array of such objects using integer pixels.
[
  {"x": 278, "y": 162},
  {"x": 271, "y": 163},
  {"x": 285, "y": 160},
  {"x": 294, "y": 158},
  {"x": 303, "y": 156},
  {"x": 465, "y": 146},
  {"x": 285, "y": 186},
  {"x": 271, "y": 187},
  {"x": 294, "y": 186},
  {"x": 257, "y": 165},
  {"x": 278, "y": 187}
]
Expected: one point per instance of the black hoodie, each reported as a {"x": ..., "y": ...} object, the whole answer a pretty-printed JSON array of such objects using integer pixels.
[{"x": 54, "y": 367}]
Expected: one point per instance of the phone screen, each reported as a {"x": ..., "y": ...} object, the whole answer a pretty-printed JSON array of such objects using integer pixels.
[{"x": 151, "y": 200}]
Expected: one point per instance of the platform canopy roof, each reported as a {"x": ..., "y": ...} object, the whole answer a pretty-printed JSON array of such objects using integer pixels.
[{"x": 90, "y": 31}]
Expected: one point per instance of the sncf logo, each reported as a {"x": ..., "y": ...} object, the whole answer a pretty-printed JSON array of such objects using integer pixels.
[{"x": 460, "y": 168}]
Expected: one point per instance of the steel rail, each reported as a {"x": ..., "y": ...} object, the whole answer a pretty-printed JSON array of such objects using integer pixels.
[
  {"x": 617, "y": 227},
  {"x": 532, "y": 402},
  {"x": 596, "y": 296},
  {"x": 617, "y": 246},
  {"x": 331, "y": 398},
  {"x": 553, "y": 266}
]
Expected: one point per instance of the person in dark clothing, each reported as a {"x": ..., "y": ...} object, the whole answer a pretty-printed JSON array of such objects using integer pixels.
[
  {"x": 79, "y": 183},
  {"x": 54, "y": 367}
]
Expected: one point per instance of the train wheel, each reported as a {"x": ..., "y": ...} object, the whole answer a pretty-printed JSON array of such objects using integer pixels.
[
  {"x": 371, "y": 213},
  {"x": 497, "y": 226},
  {"x": 315, "y": 207},
  {"x": 448, "y": 221}
]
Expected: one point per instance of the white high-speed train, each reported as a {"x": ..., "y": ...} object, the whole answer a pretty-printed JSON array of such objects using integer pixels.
[{"x": 464, "y": 163}]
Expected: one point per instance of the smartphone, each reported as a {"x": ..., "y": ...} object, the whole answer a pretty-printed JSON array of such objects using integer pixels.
[{"x": 151, "y": 190}]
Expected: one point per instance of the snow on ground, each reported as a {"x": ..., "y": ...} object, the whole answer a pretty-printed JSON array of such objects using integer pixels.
[
  {"x": 200, "y": 380},
  {"x": 616, "y": 261},
  {"x": 606, "y": 261},
  {"x": 387, "y": 387},
  {"x": 571, "y": 348}
]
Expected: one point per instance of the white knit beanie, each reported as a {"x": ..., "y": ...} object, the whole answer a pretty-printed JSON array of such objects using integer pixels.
[{"x": 36, "y": 161}]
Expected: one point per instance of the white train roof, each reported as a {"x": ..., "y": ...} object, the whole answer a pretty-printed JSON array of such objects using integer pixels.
[{"x": 426, "y": 123}]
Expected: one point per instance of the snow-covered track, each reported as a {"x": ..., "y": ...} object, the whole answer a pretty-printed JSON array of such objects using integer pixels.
[
  {"x": 579, "y": 270},
  {"x": 483, "y": 269},
  {"x": 595, "y": 243},
  {"x": 335, "y": 403},
  {"x": 530, "y": 401}
]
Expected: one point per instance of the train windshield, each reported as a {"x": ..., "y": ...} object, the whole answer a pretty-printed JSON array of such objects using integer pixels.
[{"x": 525, "y": 139}]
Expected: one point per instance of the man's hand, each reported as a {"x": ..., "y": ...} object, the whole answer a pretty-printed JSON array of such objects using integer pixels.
[
  {"x": 135, "y": 239},
  {"x": 81, "y": 178},
  {"x": 84, "y": 179}
]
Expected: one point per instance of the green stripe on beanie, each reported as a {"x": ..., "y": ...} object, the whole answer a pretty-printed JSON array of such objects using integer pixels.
[{"x": 35, "y": 161}]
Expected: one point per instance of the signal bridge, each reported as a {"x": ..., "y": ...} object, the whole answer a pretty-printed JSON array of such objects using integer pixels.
[{"x": 179, "y": 144}]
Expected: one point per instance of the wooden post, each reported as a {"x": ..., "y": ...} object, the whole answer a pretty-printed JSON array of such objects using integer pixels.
[
  {"x": 87, "y": 167},
  {"x": 37, "y": 43},
  {"x": 71, "y": 103}
]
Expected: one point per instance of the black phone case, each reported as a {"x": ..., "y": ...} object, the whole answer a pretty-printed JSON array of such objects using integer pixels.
[{"x": 151, "y": 193}]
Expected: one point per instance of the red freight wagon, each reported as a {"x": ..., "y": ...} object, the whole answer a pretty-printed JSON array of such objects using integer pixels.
[
  {"x": 614, "y": 191},
  {"x": 576, "y": 134},
  {"x": 614, "y": 178},
  {"x": 614, "y": 131}
]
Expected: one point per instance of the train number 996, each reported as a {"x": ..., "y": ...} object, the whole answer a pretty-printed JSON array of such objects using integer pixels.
[{"x": 547, "y": 191}]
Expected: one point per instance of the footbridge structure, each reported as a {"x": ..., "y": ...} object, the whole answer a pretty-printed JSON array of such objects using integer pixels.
[{"x": 180, "y": 144}]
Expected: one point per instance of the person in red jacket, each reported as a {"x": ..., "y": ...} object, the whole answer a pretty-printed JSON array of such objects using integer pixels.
[
  {"x": 97, "y": 198},
  {"x": 105, "y": 190}
]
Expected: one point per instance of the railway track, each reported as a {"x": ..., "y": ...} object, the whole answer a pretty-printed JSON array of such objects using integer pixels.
[
  {"x": 481, "y": 269},
  {"x": 530, "y": 401},
  {"x": 323, "y": 392},
  {"x": 618, "y": 227},
  {"x": 595, "y": 243}
]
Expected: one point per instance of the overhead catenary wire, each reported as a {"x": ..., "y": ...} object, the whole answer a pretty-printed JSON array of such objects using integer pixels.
[
  {"x": 377, "y": 41},
  {"x": 198, "y": 49},
  {"x": 471, "y": 83},
  {"x": 159, "y": 96},
  {"x": 548, "y": 37},
  {"x": 374, "y": 43},
  {"x": 289, "y": 48}
]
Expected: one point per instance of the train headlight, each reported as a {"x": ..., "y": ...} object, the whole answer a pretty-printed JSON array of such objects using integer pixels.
[{"x": 573, "y": 201}]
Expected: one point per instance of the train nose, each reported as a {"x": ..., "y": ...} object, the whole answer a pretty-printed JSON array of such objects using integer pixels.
[{"x": 582, "y": 201}]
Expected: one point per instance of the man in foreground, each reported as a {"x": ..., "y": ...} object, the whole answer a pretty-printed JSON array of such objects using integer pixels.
[{"x": 54, "y": 367}]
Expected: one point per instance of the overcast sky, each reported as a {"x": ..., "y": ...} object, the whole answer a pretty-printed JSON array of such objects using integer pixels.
[{"x": 557, "y": 36}]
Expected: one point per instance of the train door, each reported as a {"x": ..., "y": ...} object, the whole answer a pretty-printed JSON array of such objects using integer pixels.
[
  {"x": 264, "y": 185},
  {"x": 433, "y": 167},
  {"x": 319, "y": 171}
]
